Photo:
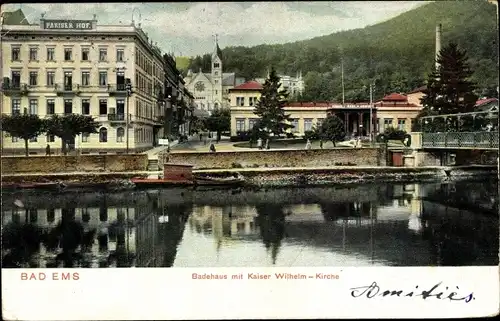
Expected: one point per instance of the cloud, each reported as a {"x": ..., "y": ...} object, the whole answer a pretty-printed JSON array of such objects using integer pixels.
[{"x": 189, "y": 27}]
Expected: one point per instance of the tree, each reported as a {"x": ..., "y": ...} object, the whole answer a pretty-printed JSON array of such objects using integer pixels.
[
  {"x": 69, "y": 126},
  {"x": 219, "y": 121},
  {"x": 270, "y": 107},
  {"x": 23, "y": 126},
  {"x": 332, "y": 129}
]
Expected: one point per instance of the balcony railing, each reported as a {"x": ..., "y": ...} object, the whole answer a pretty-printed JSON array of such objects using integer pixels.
[
  {"x": 479, "y": 140},
  {"x": 116, "y": 117},
  {"x": 67, "y": 88},
  {"x": 15, "y": 89},
  {"x": 120, "y": 89}
]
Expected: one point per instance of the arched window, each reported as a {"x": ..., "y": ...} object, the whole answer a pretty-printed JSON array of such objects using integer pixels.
[
  {"x": 120, "y": 132},
  {"x": 216, "y": 105},
  {"x": 103, "y": 135}
]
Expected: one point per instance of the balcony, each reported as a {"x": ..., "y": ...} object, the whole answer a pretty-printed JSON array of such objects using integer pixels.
[
  {"x": 13, "y": 89},
  {"x": 67, "y": 90},
  {"x": 120, "y": 118},
  {"x": 117, "y": 90}
]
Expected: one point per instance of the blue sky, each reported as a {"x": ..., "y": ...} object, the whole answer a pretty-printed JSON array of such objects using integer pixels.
[{"x": 188, "y": 28}]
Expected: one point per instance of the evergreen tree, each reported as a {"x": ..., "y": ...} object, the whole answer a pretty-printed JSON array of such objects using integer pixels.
[
  {"x": 449, "y": 89},
  {"x": 270, "y": 107}
]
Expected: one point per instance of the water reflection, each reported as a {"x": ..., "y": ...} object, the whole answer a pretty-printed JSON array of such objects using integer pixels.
[{"x": 398, "y": 225}]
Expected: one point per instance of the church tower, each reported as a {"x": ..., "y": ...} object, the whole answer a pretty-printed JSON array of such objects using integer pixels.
[{"x": 216, "y": 74}]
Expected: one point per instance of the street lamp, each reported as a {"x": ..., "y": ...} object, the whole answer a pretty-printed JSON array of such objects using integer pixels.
[{"x": 128, "y": 88}]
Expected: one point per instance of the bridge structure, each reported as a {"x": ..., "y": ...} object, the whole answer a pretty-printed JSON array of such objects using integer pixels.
[{"x": 463, "y": 131}]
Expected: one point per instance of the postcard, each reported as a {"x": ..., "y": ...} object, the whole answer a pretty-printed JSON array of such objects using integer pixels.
[{"x": 249, "y": 160}]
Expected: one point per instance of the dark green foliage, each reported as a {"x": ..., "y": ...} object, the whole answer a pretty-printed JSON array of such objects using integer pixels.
[
  {"x": 23, "y": 126},
  {"x": 332, "y": 129},
  {"x": 398, "y": 53},
  {"x": 449, "y": 90},
  {"x": 392, "y": 133},
  {"x": 270, "y": 107},
  {"x": 67, "y": 127},
  {"x": 219, "y": 121}
]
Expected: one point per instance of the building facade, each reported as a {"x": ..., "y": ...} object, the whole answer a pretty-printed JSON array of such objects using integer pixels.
[
  {"x": 393, "y": 110},
  {"x": 63, "y": 67},
  {"x": 293, "y": 85},
  {"x": 211, "y": 90}
]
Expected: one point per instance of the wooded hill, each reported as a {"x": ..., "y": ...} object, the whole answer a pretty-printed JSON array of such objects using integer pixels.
[{"x": 398, "y": 53}]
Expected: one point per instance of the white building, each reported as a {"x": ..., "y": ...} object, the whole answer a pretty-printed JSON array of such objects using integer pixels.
[
  {"x": 78, "y": 66},
  {"x": 211, "y": 89},
  {"x": 293, "y": 85}
]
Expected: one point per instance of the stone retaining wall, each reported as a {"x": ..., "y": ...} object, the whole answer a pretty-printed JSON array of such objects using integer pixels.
[
  {"x": 282, "y": 158},
  {"x": 83, "y": 163}
]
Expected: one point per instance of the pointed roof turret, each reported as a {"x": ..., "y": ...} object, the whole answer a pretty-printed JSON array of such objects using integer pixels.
[{"x": 217, "y": 51}]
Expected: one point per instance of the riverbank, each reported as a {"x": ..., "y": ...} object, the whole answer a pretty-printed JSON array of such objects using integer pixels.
[{"x": 292, "y": 176}]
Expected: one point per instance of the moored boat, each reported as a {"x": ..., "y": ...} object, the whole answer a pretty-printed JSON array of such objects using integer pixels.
[
  {"x": 158, "y": 182},
  {"x": 235, "y": 180}
]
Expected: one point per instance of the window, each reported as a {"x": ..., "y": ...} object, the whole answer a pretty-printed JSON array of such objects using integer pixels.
[
  {"x": 252, "y": 101},
  {"x": 103, "y": 135},
  {"x": 51, "y": 106},
  {"x": 401, "y": 124},
  {"x": 85, "y": 137},
  {"x": 16, "y": 79},
  {"x": 33, "y": 54},
  {"x": 50, "y": 138},
  {"x": 16, "y": 54},
  {"x": 240, "y": 124},
  {"x": 216, "y": 65},
  {"x": 120, "y": 108},
  {"x": 120, "y": 132},
  {"x": 103, "y": 106},
  {"x": 240, "y": 101},
  {"x": 387, "y": 122},
  {"x": 252, "y": 122},
  {"x": 308, "y": 124},
  {"x": 68, "y": 80},
  {"x": 85, "y": 107},
  {"x": 68, "y": 54},
  {"x": 216, "y": 81},
  {"x": 120, "y": 80},
  {"x": 85, "y": 54},
  {"x": 295, "y": 124},
  {"x": 16, "y": 106},
  {"x": 51, "y": 77},
  {"x": 103, "y": 54},
  {"x": 68, "y": 106},
  {"x": 216, "y": 73},
  {"x": 85, "y": 78},
  {"x": 33, "y": 78},
  {"x": 50, "y": 54},
  {"x": 120, "y": 53},
  {"x": 103, "y": 78},
  {"x": 33, "y": 110}
]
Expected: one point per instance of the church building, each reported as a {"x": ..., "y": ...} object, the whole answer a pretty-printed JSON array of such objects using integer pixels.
[{"x": 211, "y": 89}]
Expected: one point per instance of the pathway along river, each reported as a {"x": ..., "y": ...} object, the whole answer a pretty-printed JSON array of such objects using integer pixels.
[{"x": 363, "y": 225}]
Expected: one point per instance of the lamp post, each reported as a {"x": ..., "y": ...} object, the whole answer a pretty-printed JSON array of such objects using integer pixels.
[
  {"x": 371, "y": 113},
  {"x": 128, "y": 87}
]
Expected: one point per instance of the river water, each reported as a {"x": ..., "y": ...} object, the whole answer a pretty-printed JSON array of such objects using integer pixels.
[{"x": 454, "y": 224}]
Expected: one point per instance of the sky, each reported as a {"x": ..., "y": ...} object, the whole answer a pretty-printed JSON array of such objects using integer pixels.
[{"x": 188, "y": 28}]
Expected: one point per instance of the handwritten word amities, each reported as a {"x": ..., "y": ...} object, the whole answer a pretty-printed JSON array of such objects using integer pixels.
[
  {"x": 436, "y": 292},
  {"x": 55, "y": 276}
]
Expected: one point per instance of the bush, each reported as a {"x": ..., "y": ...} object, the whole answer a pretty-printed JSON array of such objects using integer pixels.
[{"x": 311, "y": 135}]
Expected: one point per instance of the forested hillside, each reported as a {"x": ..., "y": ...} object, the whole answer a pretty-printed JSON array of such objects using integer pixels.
[{"x": 398, "y": 53}]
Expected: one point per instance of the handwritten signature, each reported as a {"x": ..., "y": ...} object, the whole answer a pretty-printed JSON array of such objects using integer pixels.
[{"x": 373, "y": 290}]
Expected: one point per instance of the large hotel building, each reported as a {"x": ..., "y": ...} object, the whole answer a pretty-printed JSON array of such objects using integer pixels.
[{"x": 79, "y": 66}]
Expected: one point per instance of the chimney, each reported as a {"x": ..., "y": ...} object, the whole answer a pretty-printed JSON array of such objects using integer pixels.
[{"x": 438, "y": 43}]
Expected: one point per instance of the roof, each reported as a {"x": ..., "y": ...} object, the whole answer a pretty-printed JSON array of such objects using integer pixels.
[
  {"x": 419, "y": 89},
  {"x": 15, "y": 18},
  {"x": 395, "y": 97},
  {"x": 486, "y": 101},
  {"x": 249, "y": 85}
]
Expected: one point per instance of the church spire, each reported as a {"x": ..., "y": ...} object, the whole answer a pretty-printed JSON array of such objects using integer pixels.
[{"x": 218, "y": 51}]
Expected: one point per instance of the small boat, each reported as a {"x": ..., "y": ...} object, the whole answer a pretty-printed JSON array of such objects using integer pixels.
[
  {"x": 39, "y": 186},
  {"x": 79, "y": 186},
  {"x": 219, "y": 181}
]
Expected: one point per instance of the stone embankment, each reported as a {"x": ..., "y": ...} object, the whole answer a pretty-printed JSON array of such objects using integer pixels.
[{"x": 294, "y": 176}]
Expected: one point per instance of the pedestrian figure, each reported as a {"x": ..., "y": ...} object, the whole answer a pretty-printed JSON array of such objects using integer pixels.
[
  {"x": 267, "y": 143},
  {"x": 47, "y": 150},
  {"x": 308, "y": 144},
  {"x": 201, "y": 137},
  {"x": 321, "y": 144},
  {"x": 212, "y": 148},
  {"x": 259, "y": 143}
]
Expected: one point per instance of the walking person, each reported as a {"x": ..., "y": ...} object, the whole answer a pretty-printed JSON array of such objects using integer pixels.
[
  {"x": 321, "y": 143},
  {"x": 212, "y": 148},
  {"x": 259, "y": 143},
  {"x": 308, "y": 144},
  {"x": 47, "y": 150},
  {"x": 267, "y": 143}
]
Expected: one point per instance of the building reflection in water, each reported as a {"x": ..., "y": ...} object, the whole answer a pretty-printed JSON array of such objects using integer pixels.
[{"x": 400, "y": 225}]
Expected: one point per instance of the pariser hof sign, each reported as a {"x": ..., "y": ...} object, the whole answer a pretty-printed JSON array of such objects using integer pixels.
[{"x": 68, "y": 24}]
